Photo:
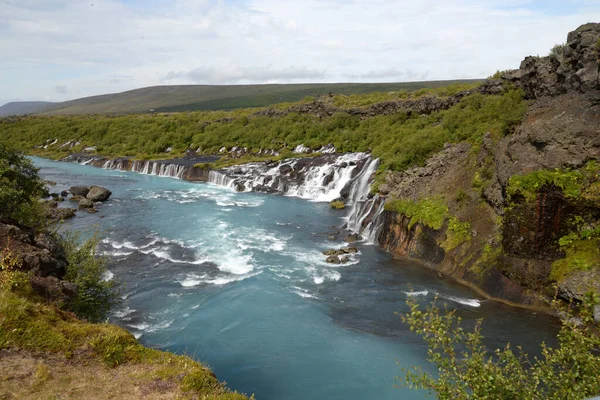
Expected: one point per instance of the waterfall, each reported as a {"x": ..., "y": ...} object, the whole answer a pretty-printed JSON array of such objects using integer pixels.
[
  {"x": 220, "y": 179},
  {"x": 359, "y": 193},
  {"x": 320, "y": 179},
  {"x": 149, "y": 168},
  {"x": 371, "y": 231}
]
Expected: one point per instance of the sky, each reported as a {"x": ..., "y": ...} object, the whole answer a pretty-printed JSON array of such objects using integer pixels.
[{"x": 57, "y": 50}]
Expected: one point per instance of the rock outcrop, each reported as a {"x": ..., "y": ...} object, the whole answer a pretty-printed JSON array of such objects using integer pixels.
[
  {"x": 38, "y": 253},
  {"x": 572, "y": 67},
  {"x": 512, "y": 260}
]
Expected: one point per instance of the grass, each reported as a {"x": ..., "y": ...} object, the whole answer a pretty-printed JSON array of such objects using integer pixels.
[{"x": 32, "y": 327}]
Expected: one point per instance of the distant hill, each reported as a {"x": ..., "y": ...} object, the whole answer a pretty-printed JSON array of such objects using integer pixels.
[
  {"x": 222, "y": 97},
  {"x": 23, "y": 107}
]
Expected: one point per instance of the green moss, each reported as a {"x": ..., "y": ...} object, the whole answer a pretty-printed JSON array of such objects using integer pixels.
[
  {"x": 581, "y": 255},
  {"x": 568, "y": 181},
  {"x": 431, "y": 212},
  {"x": 489, "y": 258},
  {"x": 457, "y": 233},
  {"x": 337, "y": 204},
  {"x": 42, "y": 328}
]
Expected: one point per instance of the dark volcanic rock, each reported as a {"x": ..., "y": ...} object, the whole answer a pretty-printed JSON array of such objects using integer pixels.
[
  {"x": 333, "y": 260},
  {"x": 576, "y": 68},
  {"x": 79, "y": 190},
  {"x": 53, "y": 289},
  {"x": 98, "y": 193},
  {"x": 51, "y": 211},
  {"x": 39, "y": 253},
  {"x": 353, "y": 237}
]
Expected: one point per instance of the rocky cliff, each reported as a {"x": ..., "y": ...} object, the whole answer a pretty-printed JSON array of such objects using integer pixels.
[{"x": 526, "y": 203}]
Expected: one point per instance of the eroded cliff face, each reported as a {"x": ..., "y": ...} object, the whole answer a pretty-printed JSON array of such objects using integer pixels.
[{"x": 513, "y": 241}]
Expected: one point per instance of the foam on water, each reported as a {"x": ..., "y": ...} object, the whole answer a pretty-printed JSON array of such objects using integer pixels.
[{"x": 467, "y": 302}]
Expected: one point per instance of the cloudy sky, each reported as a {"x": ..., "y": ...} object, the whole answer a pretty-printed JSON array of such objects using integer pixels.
[{"x": 58, "y": 50}]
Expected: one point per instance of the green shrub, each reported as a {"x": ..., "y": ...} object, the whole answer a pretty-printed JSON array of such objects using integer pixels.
[
  {"x": 466, "y": 369},
  {"x": 86, "y": 269},
  {"x": 20, "y": 188}
]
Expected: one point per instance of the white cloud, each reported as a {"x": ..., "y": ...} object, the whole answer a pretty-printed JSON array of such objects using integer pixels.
[{"x": 102, "y": 46}]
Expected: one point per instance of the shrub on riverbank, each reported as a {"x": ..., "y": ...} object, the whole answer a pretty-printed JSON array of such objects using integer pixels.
[{"x": 467, "y": 370}]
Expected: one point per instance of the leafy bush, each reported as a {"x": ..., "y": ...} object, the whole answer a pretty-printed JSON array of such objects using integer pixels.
[
  {"x": 466, "y": 370},
  {"x": 97, "y": 295},
  {"x": 20, "y": 187}
]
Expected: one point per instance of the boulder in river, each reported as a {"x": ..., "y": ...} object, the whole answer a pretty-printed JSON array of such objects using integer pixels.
[
  {"x": 349, "y": 249},
  {"x": 333, "y": 260},
  {"x": 353, "y": 237},
  {"x": 79, "y": 190},
  {"x": 98, "y": 193},
  {"x": 85, "y": 203},
  {"x": 51, "y": 211}
]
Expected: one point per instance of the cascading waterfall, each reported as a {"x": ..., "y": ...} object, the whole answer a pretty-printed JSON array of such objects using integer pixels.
[
  {"x": 320, "y": 179},
  {"x": 218, "y": 178},
  {"x": 360, "y": 206},
  {"x": 148, "y": 167},
  {"x": 371, "y": 231}
]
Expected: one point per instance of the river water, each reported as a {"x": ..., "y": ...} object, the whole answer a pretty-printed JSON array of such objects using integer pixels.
[{"x": 238, "y": 281}]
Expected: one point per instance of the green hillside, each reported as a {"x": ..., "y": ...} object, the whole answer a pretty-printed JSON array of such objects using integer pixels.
[{"x": 225, "y": 97}]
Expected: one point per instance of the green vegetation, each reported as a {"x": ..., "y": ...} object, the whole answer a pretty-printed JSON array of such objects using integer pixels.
[
  {"x": 568, "y": 181},
  {"x": 429, "y": 212},
  {"x": 362, "y": 100},
  {"x": 467, "y": 370},
  {"x": 337, "y": 205},
  {"x": 223, "y": 97},
  {"x": 458, "y": 232},
  {"x": 399, "y": 140},
  {"x": 486, "y": 261},
  {"x": 20, "y": 188},
  {"x": 96, "y": 295},
  {"x": 581, "y": 255},
  {"x": 558, "y": 51},
  {"x": 32, "y": 326}
]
